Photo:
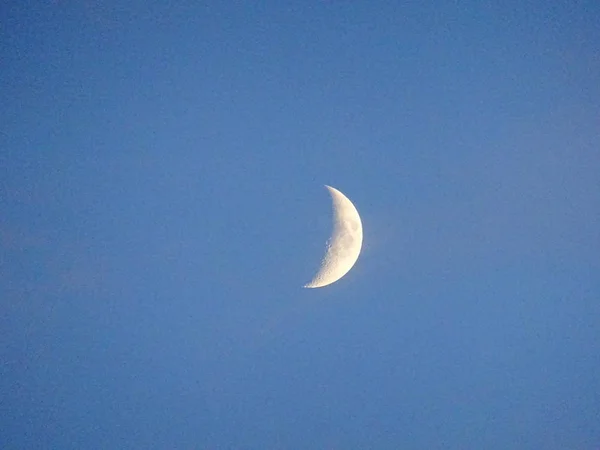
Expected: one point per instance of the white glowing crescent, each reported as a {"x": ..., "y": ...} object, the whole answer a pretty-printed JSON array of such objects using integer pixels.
[{"x": 345, "y": 243}]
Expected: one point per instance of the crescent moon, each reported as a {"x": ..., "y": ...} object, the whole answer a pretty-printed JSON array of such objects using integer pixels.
[{"x": 345, "y": 243}]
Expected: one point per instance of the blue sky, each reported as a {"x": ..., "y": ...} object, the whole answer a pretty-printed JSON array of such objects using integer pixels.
[{"x": 162, "y": 203}]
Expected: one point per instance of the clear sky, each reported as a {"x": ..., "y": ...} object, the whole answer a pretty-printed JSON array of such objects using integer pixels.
[{"x": 162, "y": 203}]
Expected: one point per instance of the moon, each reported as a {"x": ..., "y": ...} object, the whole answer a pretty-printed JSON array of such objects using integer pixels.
[{"x": 344, "y": 245}]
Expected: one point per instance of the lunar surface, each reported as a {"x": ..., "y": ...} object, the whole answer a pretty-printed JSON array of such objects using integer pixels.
[{"x": 345, "y": 243}]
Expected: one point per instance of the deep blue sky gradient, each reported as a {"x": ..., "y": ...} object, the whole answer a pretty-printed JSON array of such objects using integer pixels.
[{"x": 162, "y": 203}]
